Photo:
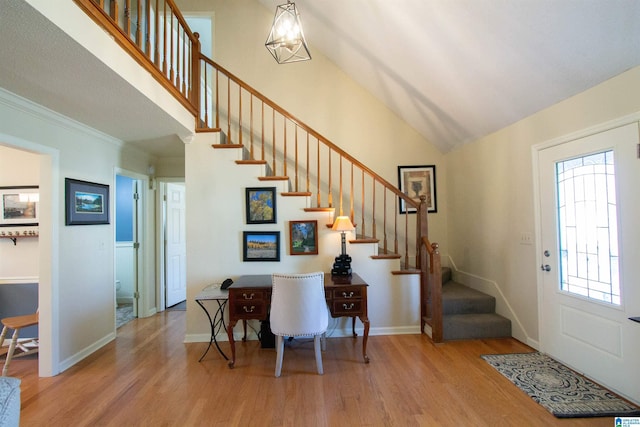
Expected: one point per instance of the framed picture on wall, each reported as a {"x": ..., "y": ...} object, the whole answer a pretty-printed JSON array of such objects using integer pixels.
[
  {"x": 19, "y": 205},
  {"x": 261, "y": 205},
  {"x": 86, "y": 203},
  {"x": 303, "y": 237},
  {"x": 415, "y": 181},
  {"x": 261, "y": 246}
]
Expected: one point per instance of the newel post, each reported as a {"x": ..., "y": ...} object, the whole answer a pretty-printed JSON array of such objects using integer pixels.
[{"x": 422, "y": 229}]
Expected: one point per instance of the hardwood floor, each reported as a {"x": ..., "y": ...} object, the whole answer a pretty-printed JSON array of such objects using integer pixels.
[{"x": 149, "y": 377}]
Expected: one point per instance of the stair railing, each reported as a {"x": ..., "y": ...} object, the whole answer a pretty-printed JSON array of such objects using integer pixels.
[
  {"x": 156, "y": 35},
  {"x": 313, "y": 164}
]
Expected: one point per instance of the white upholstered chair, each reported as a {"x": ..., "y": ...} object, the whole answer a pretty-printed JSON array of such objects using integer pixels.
[{"x": 298, "y": 308}]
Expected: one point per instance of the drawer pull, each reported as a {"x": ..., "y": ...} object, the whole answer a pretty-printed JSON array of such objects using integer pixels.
[
  {"x": 349, "y": 295},
  {"x": 348, "y": 307},
  {"x": 247, "y": 309},
  {"x": 250, "y": 296}
]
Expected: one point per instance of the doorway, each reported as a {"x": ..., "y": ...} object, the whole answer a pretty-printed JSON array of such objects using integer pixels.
[
  {"x": 127, "y": 247},
  {"x": 175, "y": 248},
  {"x": 588, "y": 209}
]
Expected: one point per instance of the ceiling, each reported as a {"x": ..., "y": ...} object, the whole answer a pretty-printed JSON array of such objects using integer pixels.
[
  {"x": 458, "y": 70},
  {"x": 455, "y": 70}
]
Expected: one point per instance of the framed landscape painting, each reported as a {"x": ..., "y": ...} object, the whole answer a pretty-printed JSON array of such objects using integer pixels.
[
  {"x": 86, "y": 203},
  {"x": 415, "y": 181},
  {"x": 261, "y": 205},
  {"x": 303, "y": 237},
  {"x": 261, "y": 246},
  {"x": 19, "y": 205}
]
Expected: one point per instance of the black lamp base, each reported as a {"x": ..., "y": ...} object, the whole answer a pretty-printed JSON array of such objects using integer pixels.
[{"x": 341, "y": 266}]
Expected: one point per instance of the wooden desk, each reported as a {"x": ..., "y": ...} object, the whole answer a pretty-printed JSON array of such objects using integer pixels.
[{"x": 250, "y": 298}]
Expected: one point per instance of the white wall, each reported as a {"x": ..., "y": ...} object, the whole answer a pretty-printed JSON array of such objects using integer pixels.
[{"x": 490, "y": 184}]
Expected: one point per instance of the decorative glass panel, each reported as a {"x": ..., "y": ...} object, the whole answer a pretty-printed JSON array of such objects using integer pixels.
[{"x": 587, "y": 227}]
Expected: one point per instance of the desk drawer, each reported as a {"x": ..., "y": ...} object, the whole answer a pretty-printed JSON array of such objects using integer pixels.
[
  {"x": 347, "y": 293},
  {"x": 249, "y": 310},
  {"x": 346, "y": 307},
  {"x": 249, "y": 295}
]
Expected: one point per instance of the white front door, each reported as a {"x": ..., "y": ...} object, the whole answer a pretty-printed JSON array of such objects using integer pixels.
[
  {"x": 590, "y": 269},
  {"x": 176, "y": 252}
]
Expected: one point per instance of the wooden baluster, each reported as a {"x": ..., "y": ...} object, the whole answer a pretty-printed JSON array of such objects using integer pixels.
[
  {"x": 406, "y": 238},
  {"x": 351, "y": 196},
  {"x": 147, "y": 24},
  {"x": 340, "y": 185},
  {"x": 330, "y": 187},
  {"x": 217, "y": 99},
  {"x": 138, "y": 32},
  {"x": 127, "y": 17},
  {"x": 114, "y": 11},
  {"x": 273, "y": 141},
  {"x": 395, "y": 224},
  {"x": 262, "y": 126},
  {"x": 228, "y": 110},
  {"x": 362, "y": 196},
  {"x": 239, "y": 115},
  {"x": 185, "y": 64},
  {"x": 373, "y": 211},
  {"x": 164, "y": 40},
  {"x": 251, "y": 128},
  {"x": 384, "y": 220},
  {"x": 172, "y": 57},
  {"x": 284, "y": 150},
  {"x": 206, "y": 97},
  {"x": 156, "y": 32},
  {"x": 176, "y": 83},
  {"x": 308, "y": 162},
  {"x": 296, "y": 158},
  {"x": 318, "y": 201}
]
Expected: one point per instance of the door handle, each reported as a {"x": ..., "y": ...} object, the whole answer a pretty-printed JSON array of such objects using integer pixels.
[{"x": 545, "y": 267}]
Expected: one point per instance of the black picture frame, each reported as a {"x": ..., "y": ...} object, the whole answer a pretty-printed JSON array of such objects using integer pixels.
[
  {"x": 260, "y": 246},
  {"x": 86, "y": 203},
  {"x": 261, "y": 205},
  {"x": 19, "y": 206},
  {"x": 415, "y": 181},
  {"x": 303, "y": 237}
]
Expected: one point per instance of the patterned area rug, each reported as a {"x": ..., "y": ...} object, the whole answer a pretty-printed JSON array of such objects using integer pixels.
[{"x": 560, "y": 390}]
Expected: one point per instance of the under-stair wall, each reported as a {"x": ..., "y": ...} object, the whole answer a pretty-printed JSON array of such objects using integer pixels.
[{"x": 216, "y": 217}]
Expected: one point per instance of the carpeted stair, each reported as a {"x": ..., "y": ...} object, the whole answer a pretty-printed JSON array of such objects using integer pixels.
[{"x": 469, "y": 314}]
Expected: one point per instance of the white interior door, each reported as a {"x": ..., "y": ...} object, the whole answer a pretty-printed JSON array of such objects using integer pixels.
[
  {"x": 176, "y": 286},
  {"x": 589, "y": 210}
]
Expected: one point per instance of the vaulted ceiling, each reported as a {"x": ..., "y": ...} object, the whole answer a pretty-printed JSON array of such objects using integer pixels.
[{"x": 457, "y": 70}]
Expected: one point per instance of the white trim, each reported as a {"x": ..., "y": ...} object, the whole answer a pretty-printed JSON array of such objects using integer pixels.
[
  {"x": 19, "y": 280},
  {"x": 87, "y": 351}
]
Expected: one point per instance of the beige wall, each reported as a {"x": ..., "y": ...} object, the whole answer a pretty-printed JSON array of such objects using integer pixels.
[{"x": 491, "y": 200}]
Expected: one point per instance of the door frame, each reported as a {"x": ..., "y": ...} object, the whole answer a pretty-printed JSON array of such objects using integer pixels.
[
  {"x": 140, "y": 308},
  {"x": 161, "y": 215},
  {"x": 537, "y": 204}
]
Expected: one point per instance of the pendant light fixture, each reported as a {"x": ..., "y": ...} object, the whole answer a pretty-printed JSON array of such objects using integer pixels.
[{"x": 286, "y": 39}]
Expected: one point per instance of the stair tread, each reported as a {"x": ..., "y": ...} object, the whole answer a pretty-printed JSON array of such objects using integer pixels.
[{"x": 475, "y": 325}]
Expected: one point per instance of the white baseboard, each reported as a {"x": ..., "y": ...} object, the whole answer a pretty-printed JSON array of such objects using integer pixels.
[{"x": 70, "y": 361}]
